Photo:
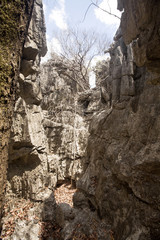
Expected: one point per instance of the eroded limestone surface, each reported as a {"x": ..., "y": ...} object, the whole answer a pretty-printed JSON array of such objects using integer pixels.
[
  {"x": 106, "y": 139},
  {"x": 28, "y": 176},
  {"x": 122, "y": 177},
  {"x": 14, "y": 19},
  {"x": 68, "y": 109},
  {"x": 140, "y": 25},
  {"x": 64, "y": 122}
]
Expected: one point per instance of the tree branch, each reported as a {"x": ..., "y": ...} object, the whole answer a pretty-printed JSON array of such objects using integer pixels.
[{"x": 96, "y": 5}]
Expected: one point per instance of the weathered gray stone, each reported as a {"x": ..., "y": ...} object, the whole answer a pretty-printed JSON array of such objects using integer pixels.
[
  {"x": 30, "y": 50},
  {"x": 122, "y": 170},
  {"x": 30, "y": 91},
  {"x": 64, "y": 212},
  {"x": 127, "y": 86},
  {"x": 49, "y": 206},
  {"x": 80, "y": 200},
  {"x": 37, "y": 32},
  {"x": 28, "y": 175},
  {"x": 118, "y": 174},
  {"x": 28, "y": 68},
  {"x": 117, "y": 63},
  {"x": 64, "y": 122},
  {"x": 140, "y": 25},
  {"x": 26, "y": 231},
  {"x": 120, "y": 5}
]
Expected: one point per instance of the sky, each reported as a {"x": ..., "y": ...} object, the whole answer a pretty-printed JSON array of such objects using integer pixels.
[{"x": 62, "y": 14}]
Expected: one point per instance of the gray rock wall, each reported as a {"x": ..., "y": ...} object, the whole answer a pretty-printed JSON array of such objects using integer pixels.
[
  {"x": 28, "y": 175},
  {"x": 64, "y": 121},
  {"x": 122, "y": 177},
  {"x": 140, "y": 25},
  {"x": 68, "y": 109},
  {"x": 14, "y": 18},
  {"x": 28, "y": 144},
  {"x": 116, "y": 167},
  {"x": 120, "y": 184}
]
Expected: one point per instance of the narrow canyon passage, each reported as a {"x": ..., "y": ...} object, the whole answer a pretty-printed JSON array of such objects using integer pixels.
[
  {"x": 84, "y": 163},
  {"x": 24, "y": 210}
]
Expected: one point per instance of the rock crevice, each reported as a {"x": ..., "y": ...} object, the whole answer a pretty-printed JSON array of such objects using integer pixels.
[{"x": 104, "y": 141}]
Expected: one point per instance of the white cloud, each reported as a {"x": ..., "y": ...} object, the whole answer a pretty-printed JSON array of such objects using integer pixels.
[
  {"x": 58, "y": 14},
  {"x": 53, "y": 46},
  {"x": 110, "y": 6}
]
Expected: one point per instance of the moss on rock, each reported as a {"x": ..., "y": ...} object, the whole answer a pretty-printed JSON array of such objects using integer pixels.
[
  {"x": 10, "y": 13},
  {"x": 14, "y": 18}
]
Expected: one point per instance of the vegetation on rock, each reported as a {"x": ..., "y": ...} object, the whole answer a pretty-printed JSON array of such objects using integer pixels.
[
  {"x": 14, "y": 19},
  {"x": 11, "y": 15}
]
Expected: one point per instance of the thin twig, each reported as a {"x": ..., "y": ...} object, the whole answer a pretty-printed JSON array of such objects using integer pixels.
[
  {"x": 105, "y": 10},
  {"x": 87, "y": 12},
  {"x": 94, "y": 4}
]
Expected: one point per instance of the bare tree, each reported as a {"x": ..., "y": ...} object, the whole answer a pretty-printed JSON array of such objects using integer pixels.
[{"x": 78, "y": 49}]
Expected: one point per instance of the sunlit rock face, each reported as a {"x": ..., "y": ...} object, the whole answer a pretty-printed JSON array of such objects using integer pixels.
[
  {"x": 122, "y": 174},
  {"x": 49, "y": 132},
  {"x": 106, "y": 139},
  {"x": 140, "y": 25},
  {"x": 120, "y": 184},
  {"x": 14, "y": 18},
  {"x": 28, "y": 144},
  {"x": 28, "y": 175},
  {"x": 68, "y": 107},
  {"x": 65, "y": 121}
]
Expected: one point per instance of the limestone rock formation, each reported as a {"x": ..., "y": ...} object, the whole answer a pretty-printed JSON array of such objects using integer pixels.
[
  {"x": 28, "y": 176},
  {"x": 106, "y": 139},
  {"x": 28, "y": 145},
  {"x": 68, "y": 108},
  {"x": 64, "y": 121},
  {"x": 14, "y": 18},
  {"x": 115, "y": 185},
  {"x": 122, "y": 176},
  {"x": 140, "y": 25}
]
